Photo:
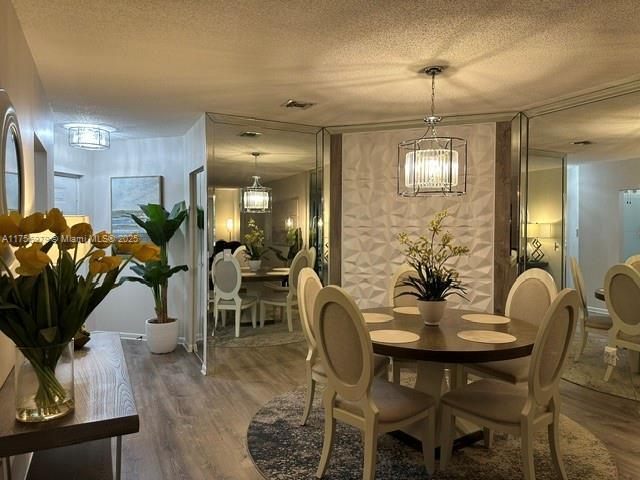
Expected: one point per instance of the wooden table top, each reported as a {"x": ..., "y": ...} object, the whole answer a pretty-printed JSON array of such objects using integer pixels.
[
  {"x": 104, "y": 403},
  {"x": 264, "y": 275},
  {"x": 441, "y": 343}
]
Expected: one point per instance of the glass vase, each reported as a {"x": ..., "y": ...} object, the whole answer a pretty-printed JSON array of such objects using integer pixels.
[{"x": 44, "y": 382}]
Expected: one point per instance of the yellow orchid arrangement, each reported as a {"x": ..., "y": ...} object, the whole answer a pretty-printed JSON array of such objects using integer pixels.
[{"x": 44, "y": 302}]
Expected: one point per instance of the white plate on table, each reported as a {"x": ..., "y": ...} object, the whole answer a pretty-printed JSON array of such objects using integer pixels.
[
  {"x": 486, "y": 336},
  {"x": 393, "y": 336},
  {"x": 282, "y": 269},
  {"x": 279, "y": 274},
  {"x": 371, "y": 317},
  {"x": 486, "y": 318}
]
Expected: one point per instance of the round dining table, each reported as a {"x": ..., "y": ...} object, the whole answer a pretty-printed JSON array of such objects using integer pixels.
[
  {"x": 439, "y": 346},
  {"x": 265, "y": 275}
]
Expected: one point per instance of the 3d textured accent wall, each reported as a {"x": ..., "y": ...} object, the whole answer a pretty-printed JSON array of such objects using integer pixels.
[{"x": 373, "y": 214}]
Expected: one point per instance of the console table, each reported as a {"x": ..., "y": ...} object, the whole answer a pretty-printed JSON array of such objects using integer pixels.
[{"x": 104, "y": 408}]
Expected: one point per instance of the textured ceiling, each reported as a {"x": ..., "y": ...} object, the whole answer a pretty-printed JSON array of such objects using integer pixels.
[
  {"x": 613, "y": 127},
  {"x": 148, "y": 67}
]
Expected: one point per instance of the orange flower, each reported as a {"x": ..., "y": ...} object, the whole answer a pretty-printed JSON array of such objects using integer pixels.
[
  {"x": 34, "y": 223},
  {"x": 32, "y": 260},
  {"x": 67, "y": 241},
  {"x": 102, "y": 239},
  {"x": 147, "y": 252},
  {"x": 126, "y": 245},
  {"x": 10, "y": 230},
  {"x": 100, "y": 263},
  {"x": 57, "y": 222},
  {"x": 82, "y": 232}
]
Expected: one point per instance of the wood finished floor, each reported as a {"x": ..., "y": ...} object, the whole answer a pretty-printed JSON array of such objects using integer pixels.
[{"x": 194, "y": 427}]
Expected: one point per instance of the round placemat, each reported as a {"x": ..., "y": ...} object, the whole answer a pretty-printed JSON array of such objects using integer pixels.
[
  {"x": 376, "y": 317},
  {"x": 393, "y": 336},
  {"x": 407, "y": 310},
  {"x": 486, "y": 318},
  {"x": 486, "y": 336}
]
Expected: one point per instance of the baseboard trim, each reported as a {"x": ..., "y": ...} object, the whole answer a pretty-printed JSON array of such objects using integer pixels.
[{"x": 142, "y": 337}]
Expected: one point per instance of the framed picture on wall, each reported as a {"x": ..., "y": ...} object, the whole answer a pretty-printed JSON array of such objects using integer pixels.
[{"x": 127, "y": 194}]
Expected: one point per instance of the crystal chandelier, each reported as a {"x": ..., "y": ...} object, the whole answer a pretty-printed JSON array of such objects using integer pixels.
[
  {"x": 89, "y": 137},
  {"x": 256, "y": 198},
  {"x": 432, "y": 164}
]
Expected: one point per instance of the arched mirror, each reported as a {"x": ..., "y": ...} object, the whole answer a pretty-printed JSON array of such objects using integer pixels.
[{"x": 11, "y": 159}]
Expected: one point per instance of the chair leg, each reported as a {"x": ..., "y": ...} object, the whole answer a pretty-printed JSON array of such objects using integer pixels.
[
  {"x": 262, "y": 314},
  {"x": 526, "y": 446},
  {"x": 224, "y": 318},
  {"x": 311, "y": 389},
  {"x": 254, "y": 310},
  {"x": 215, "y": 319},
  {"x": 238, "y": 318},
  {"x": 607, "y": 374},
  {"x": 327, "y": 444},
  {"x": 487, "y": 434},
  {"x": 583, "y": 343},
  {"x": 395, "y": 372},
  {"x": 370, "y": 451},
  {"x": 290, "y": 315},
  {"x": 554, "y": 445},
  {"x": 429, "y": 441},
  {"x": 446, "y": 433}
]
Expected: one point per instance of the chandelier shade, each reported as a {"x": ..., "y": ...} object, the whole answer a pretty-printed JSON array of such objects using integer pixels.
[
  {"x": 432, "y": 164},
  {"x": 89, "y": 137},
  {"x": 256, "y": 198}
]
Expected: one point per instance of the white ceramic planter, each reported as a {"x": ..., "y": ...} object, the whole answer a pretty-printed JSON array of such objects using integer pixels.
[
  {"x": 431, "y": 312},
  {"x": 162, "y": 337},
  {"x": 254, "y": 265}
]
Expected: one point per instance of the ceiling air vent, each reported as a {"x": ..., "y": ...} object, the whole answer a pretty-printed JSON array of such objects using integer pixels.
[
  {"x": 297, "y": 104},
  {"x": 249, "y": 134}
]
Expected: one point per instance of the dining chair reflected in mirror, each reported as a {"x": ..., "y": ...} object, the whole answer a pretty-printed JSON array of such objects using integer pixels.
[
  {"x": 312, "y": 252},
  {"x": 309, "y": 286},
  {"x": 227, "y": 280},
  {"x": 395, "y": 299},
  {"x": 588, "y": 323},
  {"x": 528, "y": 300},
  {"x": 240, "y": 254},
  {"x": 514, "y": 409},
  {"x": 622, "y": 294},
  {"x": 354, "y": 395},
  {"x": 289, "y": 297},
  {"x": 633, "y": 261}
]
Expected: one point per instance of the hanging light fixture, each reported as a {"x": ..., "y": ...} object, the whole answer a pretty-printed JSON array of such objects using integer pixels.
[
  {"x": 89, "y": 137},
  {"x": 256, "y": 198},
  {"x": 432, "y": 164}
]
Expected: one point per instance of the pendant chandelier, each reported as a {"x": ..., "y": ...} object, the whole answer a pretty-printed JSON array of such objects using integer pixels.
[
  {"x": 256, "y": 198},
  {"x": 432, "y": 164}
]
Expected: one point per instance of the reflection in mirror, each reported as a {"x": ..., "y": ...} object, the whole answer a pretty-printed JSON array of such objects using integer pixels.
[
  {"x": 200, "y": 264},
  {"x": 599, "y": 142},
  {"x": 263, "y": 242},
  {"x": 12, "y": 172}
]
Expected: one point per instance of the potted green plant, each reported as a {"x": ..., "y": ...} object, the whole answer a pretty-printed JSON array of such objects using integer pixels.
[
  {"x": 154, "y": 272},
  {"x": 254, "y": 242},
  {"x": 435, "y": 281}
]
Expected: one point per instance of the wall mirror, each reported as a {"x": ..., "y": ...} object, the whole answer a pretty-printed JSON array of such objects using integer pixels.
[
  {"x": 11, "y": 157},
  {"x": 264, "y": 183},
  {"x": 598, "y": 142}
]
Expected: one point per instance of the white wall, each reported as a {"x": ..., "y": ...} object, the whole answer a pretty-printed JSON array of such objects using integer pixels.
[
  {"x": 600, "y": 219},
  {"x": 373, "y": 214},
  {"x": 19, "y": 77}
]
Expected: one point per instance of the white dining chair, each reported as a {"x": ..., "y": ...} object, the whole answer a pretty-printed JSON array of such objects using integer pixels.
[
  {"x": 514, "y": 409},
  {"x": 309, "y": 286},
  {"x": 241, "y": 255},
  {"x": 528, "y": 301},
  {"x": 353, "y": 394},
  {"x": 622, "y": 294},
  {"x": 633, "y": 261},
  {"x": 394, "y": 299},
  {"x": 289, "y": 297},
  {"x": 312, "y": 252},
  {"x": 227, "y": 279},
  {"x": 588, "y": 323}
]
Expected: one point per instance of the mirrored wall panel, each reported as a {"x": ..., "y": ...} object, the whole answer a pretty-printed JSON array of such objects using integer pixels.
[{"x": 264, "y": 224}]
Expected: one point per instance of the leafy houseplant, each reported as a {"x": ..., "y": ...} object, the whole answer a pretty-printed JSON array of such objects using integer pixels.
[
  {"x": 155, "y": 271},
  {"x": 45, "y": 302},
  {"x": 254, "y": 242},
  {"x": 435, "y": 281}
]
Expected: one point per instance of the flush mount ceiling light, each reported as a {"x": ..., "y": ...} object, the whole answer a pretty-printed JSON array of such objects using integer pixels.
[
  {"x": 297, "y": 104},
  {"x": 89, "y": 136},
  {"x": 256, "y": 198},
  {"x": 249, "y": 134},
  {"x": 432, "y": 164}
]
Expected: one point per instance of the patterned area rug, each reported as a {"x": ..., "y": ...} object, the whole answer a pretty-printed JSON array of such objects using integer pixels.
[
  {"x": 589, "y": 371},
  {"x": 283, "y": 450},
  {"x": 272, "y": 334}
]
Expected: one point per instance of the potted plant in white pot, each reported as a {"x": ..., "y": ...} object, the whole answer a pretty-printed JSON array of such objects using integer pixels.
[
  {"x": 154, "y": 271},
  {"x": 254, "y": 242},
  {"x": 435, "y": 281}
]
